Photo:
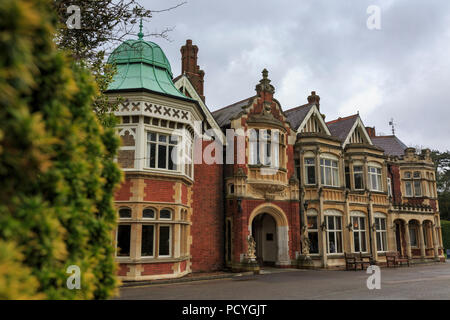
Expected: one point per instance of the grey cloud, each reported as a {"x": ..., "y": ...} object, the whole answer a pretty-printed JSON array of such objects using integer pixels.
[{"x": 401, "y": 71}]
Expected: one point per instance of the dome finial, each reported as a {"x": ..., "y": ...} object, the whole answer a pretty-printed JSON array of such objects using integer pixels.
[{"x": 140, "y": 34}]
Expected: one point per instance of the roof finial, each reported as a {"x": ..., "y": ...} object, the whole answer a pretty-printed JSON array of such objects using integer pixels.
[{"x": 140, "y": 34}]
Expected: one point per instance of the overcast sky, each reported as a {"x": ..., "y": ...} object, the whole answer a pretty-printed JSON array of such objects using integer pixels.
[{"x": 401, "y": 71}]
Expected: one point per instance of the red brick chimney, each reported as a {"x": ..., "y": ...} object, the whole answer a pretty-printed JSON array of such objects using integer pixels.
[
  {"x": 190, "y": 67},
  {"x": 371, "y": 131}
]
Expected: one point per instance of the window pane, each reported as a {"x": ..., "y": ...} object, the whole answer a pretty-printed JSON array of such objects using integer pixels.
[
  {"x": 338, "y": 223},
  {"x": 162, "y": 138},
  {"x": 330, "y": 223},
  {"x": 358, "y": 181},
  {"x": 312, "y": 222},
  {"x": 313, "y": 242},
  {"x": 147, "y": 240},
  {"x": 356, "y": 241},
  {"x": 172, "y": 157},
  {"x": 328, "y": 176},
  {"x": 123, "y": 240},
  {"x": 379, "y": 247},
  {"x": 125, "y": 213},
  {"x": 152, "y": 155},
  {"x": 363, "y": 241},
  {"x": 311, "y": 175},
  {"x": 408, "y": 188},
  {"x": 339, "y": 242},
  {"x": 332, "y": 244},
  {"x": 148, "y": 213},
  {"x": 417, "y": 188},
  {"x": 151, "y": 136},
  {"x": 164, "y": 240},
  {"x": 162, "y": 156},
  {"x": 165, "y": 214}
]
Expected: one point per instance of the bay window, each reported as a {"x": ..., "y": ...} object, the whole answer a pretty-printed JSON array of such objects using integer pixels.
[{"x": 264, "y": 147}]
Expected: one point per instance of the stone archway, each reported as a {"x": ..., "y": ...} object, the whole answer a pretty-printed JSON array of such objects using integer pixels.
[{"x": 271, "y": 234}]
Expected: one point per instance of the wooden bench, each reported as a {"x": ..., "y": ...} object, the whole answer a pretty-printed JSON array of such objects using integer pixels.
[
  {"x": 394, "y": 258},
  {"x": 353, "y": 260}
]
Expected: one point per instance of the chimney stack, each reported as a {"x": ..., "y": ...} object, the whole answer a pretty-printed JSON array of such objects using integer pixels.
[
  {"x": 190, "y": 67},
  {"x": 314, "y": 99},
  {"x": 371, "y": 131}
]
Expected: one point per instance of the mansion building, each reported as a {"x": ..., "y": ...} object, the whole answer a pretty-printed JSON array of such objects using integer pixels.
[{"x": 333, "y": 187}]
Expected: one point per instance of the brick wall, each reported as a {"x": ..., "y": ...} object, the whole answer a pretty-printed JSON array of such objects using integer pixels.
[
  {"x": 159, "y": 190},
  {"x": 124, "y": 191},
  {"x": 394, "y": 174},
  {"x": 208, "y": 217},
  {"x": 157, "y": 268}
]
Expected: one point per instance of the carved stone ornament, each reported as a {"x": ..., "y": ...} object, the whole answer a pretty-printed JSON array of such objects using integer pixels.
[
  {"x": 251, "y": 248},
  {"x": 269, "y": 190}
]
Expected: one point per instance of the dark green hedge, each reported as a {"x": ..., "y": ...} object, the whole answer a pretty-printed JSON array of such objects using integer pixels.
[{"x": 446, "y": 233}]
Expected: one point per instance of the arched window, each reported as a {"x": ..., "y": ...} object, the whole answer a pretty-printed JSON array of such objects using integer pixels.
[
  {"x": 148, "y": 213},
  {"x": 124, "y": 213},
  {"x": 165, "y": 214}
]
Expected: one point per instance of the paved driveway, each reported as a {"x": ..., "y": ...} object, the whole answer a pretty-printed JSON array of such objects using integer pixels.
[{"x": 417, "y": 282}]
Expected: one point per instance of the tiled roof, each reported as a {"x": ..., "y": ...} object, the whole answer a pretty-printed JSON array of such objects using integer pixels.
[
  {"x": 391, "y": 145},
  {"x": 340, "y": 128},
  {"x": 296, "y": 115},
  {"x": 223, "y": 116}
]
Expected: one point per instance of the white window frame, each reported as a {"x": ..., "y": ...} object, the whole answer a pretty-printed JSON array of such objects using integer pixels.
[
  {"x": 360, "y": 232},
  {"x": 332, "y": 169},
  {"x": 166, "y": 219},
  {"x": 381, "y": 232},
  {"x": 375, "y": 172},
  {"x": 389, "y": 187},
  {"x": 336, "y": 232},
  {"x": 167, "y": 144},
  {"x": 308, "y": 165}
]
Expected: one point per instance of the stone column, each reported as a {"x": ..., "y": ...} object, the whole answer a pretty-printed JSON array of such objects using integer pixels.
[
  {"x": 348, "y": 234},
  {"x": 421, "y": 240},
  {"x": 373, "y": 233},
  {"x": 435, "y": 241},
  {"x": 318, "y": 168},
  {"x": 408, "y": 240},
  {"x": 322, "y": 233}
]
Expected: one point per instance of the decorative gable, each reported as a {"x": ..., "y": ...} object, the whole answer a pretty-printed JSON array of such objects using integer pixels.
[
  {"x": 313, "y": 123},
  {"x": 358, "y": 134}
]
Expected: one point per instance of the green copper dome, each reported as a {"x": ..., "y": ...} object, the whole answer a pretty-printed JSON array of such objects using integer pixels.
[{"x": 142, "y": 65}]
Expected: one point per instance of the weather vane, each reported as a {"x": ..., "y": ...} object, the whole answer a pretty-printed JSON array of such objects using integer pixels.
[{"x": 391, "y": 123}]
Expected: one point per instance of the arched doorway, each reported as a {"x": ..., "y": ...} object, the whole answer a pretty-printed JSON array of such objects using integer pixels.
[
  {"x": 267, "y": 222},
  {"x": 264, "y": 229}
]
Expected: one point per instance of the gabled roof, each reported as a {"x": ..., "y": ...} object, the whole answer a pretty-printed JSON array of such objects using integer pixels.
[
  {"x": 224, "y": 115},
  {"x": 296, "y": 115},
  {"x": 341, "y": 127},
  {"x": 391, "y": 145}
]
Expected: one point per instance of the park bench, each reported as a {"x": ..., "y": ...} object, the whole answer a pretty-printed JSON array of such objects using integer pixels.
[
  {"x": 354, "y": 260},
  {"x": 394, "y": 258}
]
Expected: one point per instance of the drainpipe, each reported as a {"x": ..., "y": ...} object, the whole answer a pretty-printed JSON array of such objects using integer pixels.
[{"x": 369, "y": 218}]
